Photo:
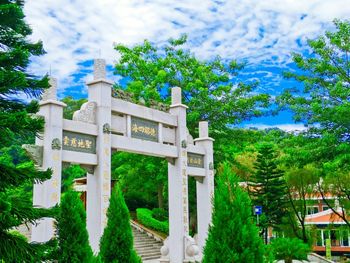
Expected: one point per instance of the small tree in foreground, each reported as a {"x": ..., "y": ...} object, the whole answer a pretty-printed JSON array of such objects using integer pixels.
[
  {"x": 116, "y": 243},
  {"x": 233, "y": 237},
  {"x": 73, "y": 238},
  {"x": 288, "y": 249}
]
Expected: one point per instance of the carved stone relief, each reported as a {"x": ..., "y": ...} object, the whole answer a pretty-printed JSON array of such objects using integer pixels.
[
  {"x": 34, "y": 152},
  {"x": 87, "y": 113}
]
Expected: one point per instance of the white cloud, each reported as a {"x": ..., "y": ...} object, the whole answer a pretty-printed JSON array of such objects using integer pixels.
[{"x": 79, "y": 30}]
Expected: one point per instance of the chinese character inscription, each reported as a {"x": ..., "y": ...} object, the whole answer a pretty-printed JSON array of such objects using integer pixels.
[
  {"x": 79, "y": 142},
  {"x": 144, "y": 129},
  {"x": 195, "y": 160}
]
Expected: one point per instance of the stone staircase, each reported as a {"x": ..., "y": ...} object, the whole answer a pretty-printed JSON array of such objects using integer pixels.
[{"x": 146, "y": 246}]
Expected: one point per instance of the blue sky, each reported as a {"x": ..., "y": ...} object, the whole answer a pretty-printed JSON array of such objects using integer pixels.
[{"x": 261, "y": 33}]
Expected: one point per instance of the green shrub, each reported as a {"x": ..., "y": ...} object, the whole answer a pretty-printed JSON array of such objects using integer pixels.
[
  {"x": 116, "y": 244},
  {"x": 233, "y": 235},
  {"x": 144, "y": 216},
  {"x": 73, "y": 238},
  {"x": 288, "y": 249},
  {"x": 160, "y": 214}
]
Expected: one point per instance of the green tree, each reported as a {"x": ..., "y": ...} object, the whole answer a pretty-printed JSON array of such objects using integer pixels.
[
  {"x": 239, "y": 240},
  {"x": 301, "y": 184},
  {"x": 288, "y": 249},
  {"x": 73, "y": 238},
  {"x": 268, "y": 188},
  {"x": 70, "y": 173},
  {"x": 116, "y": 243},
  {"x": 208, "y": 88},
  {"x": 325, "y": 75},
  {"x": 16, "y": 127},
  {"x": 324, "y": 100},
  {"x": 332, "y": 161},
  {"x": 142, "y": 178}
]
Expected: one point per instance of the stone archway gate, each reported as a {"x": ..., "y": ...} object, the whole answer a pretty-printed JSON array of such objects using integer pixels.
[{"x": 106, "y": 123}]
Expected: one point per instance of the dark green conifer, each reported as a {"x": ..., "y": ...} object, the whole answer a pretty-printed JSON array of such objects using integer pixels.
[
  {"x": 16, "y": 127},
  {"x": 73, "y": 238},
  {"x": 116, "y": 243},
  {"x": 233, "y": 236},
  {"x": 268, "y": 189}
]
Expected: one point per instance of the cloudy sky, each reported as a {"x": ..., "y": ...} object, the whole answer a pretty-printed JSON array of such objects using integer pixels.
[{"x": 260, "y": 33}]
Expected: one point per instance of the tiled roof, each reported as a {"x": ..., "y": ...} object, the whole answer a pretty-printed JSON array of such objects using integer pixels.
[{"x": 324, "y": 217}]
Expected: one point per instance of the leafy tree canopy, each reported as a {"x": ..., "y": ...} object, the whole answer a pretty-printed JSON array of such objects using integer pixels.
[
  {"x": 208, "y": 86},
  {"x": 325, "y": 97}
]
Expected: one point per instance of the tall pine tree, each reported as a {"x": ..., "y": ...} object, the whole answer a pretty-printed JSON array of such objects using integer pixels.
[
  {"x": 268, "y": 188},
  {"x": 73, "y": 238},
  {"x": 16, "y": 127},
  {"x": 116, "y": 245},
  {"x": 233, "y": 237}
]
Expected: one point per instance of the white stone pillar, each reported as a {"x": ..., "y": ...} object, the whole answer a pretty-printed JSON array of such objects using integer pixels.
[
  {"x": 177, "y": 184},
  {"x": 48, "y": 193},
  {"x": 99, "y": 184},
  {"x": 205, "y": 189}
]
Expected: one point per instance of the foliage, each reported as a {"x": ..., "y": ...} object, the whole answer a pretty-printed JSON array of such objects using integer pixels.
[
  {"x": 301, "y": 184},
  {"x": 73, "y": 238},
  {"x": 144, "y": 216},
  {"x": 69, "y": 174},
  {"x": 238, "y": 241},
  {"x": 288, "y": 249},
  {"x": 326, "y": 78},
  {"x": 330, "y": 158},
  {"x": 72, "y": 106},
  {"x": 15, "y": 54},
  {"x": 160, "y": 214},
  {"x": 208, "y": 88},
  {"x": 268, "y": 188},
  {"x": 116, "y": 244},
  {"x": 17, "y": 126},
  {"x": 324, "y": 103},
  {"x": 142, "y": 178}
]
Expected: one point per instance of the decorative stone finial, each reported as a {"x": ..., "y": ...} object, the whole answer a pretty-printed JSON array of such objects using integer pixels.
[
  {"x": 51, "y": 92},
  {"x": 176, "y": 96},
  {"x": 203, "y": 129},
  {"x": 99, "y": 68}
]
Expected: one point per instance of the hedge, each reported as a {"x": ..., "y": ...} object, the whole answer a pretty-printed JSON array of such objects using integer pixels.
[
  {"x": 144, "y": 216},
  {"x": 160, "y": 214}
]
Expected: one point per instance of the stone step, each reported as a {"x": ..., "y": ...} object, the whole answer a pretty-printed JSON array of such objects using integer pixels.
[
  {"x": 144, "y": 258},
  {"x": 146, "y": 246},
  {"x": 149, "y": 255},
  {"x": 141, "y": 242}
]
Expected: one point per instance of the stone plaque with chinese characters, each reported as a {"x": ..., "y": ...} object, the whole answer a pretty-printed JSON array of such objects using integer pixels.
[
  {"x": 78, "y": 142},
  {"x": 144, "y": 129},
  {"x": 195, "y": 160}
]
